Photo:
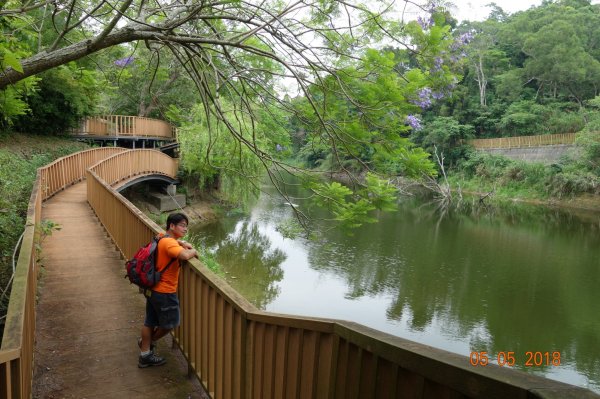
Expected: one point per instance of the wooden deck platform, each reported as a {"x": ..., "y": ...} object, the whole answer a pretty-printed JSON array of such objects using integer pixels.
[{"x": 89, "y": 317}]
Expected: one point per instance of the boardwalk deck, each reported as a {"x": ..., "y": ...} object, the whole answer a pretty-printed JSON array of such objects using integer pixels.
[{"x": 89, "y": 317}]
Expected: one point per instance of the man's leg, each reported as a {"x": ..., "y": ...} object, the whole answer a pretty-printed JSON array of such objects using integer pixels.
[
  {"x": 147, "y": 356},
  {"x": 158, "y": 334},
  {"x": 146, "y": 338}
]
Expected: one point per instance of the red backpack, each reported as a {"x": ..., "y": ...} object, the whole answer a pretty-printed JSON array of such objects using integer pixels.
[{"x": 141, "y": 269}]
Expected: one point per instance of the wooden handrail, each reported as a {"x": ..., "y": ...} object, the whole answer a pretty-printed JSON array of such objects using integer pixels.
[
  {"x": 125, "y": 165},
  {"x": 524, "y": 141},
  {"x": 238, "y": 351},
  {"x": 69, "y": 170},
  {"x": 16, "y": 352},
  {"x": 121, "y": 224},
  {"x": 126, "y": 126}
]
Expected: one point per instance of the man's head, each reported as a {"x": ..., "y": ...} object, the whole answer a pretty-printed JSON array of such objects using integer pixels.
[{"x": 177, "y": 224}]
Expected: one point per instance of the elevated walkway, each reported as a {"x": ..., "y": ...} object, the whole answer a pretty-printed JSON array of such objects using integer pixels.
[
  {"x": 89, "y": 316},
  {"x": 524, "y": 141},
  {"x": 125, "y": 131},
  {"x": 79, "y": 339}
]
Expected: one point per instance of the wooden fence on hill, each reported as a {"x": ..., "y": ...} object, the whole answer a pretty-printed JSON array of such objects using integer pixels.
[{"x": 524, "y": 141}]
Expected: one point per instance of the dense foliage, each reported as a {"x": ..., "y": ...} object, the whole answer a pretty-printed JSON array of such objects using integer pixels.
[
  {"x": 533, "y": 72},
  {"x": 231, "y": 62},
  {"x": 529, "y": 73},
  {"x": 219, "y": 161}
]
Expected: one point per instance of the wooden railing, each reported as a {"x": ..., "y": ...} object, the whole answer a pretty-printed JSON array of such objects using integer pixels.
[
  {"x": 69, "y": 170},
  {"x": 126, "y": 165},
  {"x": 238, "y": 351},
  {"x": 126, "y": 126},
  {"x": 524, "y": 141},
  {"x": 16, "y": 352},
  {"x": 118, "y": 216}
]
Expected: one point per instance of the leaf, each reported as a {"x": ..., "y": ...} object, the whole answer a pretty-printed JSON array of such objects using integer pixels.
[{"x": 11, "y": 60}]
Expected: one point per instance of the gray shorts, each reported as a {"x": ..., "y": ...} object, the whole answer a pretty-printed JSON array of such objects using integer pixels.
[{"x": 162, "y": 310}]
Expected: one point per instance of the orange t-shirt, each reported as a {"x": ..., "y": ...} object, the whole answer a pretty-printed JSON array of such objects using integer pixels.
[{"x": 168, "y": 248}]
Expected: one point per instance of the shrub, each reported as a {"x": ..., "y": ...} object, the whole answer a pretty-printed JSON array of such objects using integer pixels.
[
  {"x": 589, "y": 139},
  {"x": 447, "y": 136},
  {"x": 484, "y": 165},
  {"x": 524, "y": 118},
  {"x": 571, "y": 183}
]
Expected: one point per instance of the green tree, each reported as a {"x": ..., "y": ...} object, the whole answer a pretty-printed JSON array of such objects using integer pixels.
[
  {"x": 234, "y": 54},
  {"x": 13, "y": 46},
  {"x": 63, "y": 96},
  {"x": 559, "y": 62},
  {"x": 144, "y": 82},
  {"x": 589, "y": 138},
  {"x": 371, "y": 127},
  {"x": 218, "y": 160},
  {"x": 485, "y": 59},
  {"x": 446, "y": 136}
]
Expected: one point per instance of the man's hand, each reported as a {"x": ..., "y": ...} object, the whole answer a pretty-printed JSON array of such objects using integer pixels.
[{"x": 188, "y": 251}]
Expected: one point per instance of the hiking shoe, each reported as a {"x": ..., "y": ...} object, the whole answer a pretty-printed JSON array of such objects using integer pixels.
[
  {"x": 150, "y": 360},
  {"x": 152, "y": 346}
]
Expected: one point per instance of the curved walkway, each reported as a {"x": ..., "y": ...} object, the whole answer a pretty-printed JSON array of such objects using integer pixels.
[{"x": 89, "y": 316}]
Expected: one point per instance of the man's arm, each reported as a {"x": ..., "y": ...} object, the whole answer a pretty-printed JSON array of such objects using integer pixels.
[{"x": 188, "y": 252}]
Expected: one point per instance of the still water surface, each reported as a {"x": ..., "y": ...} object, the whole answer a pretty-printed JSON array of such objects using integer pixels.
[{"x": 524, "y": 279}]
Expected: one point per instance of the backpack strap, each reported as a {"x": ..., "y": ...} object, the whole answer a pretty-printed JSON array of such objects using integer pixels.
[
  {"x": 172, "y": 259},
  {"x": 168, "y": 265}
]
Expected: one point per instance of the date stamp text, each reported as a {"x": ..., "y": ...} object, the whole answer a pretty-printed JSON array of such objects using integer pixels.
[{"x": 509, "y": 358}]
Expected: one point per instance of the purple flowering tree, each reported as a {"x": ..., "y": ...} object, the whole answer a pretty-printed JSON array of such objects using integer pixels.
[
  {"x": 442, "y": 60},
  {"x": 124, "y": 62},
  {"x": 414, "y": 122}
]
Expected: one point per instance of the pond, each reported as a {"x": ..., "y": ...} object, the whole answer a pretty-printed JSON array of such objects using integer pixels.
[{"x": 523, "y": 279}]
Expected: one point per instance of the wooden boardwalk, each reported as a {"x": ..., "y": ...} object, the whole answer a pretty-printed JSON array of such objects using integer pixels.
[{"x": 89, "y": 317}]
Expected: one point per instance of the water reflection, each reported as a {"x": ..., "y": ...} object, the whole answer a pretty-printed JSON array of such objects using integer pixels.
[
  {"x": 247, "y": 257},
  {"x": 518, "y": 279}
]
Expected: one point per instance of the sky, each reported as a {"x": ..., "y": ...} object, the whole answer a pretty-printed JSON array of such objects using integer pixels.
[{"x": 475, "y": 10}]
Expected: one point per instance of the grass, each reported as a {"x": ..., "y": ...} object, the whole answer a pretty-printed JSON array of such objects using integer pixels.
[{"x": 502, "y": 191}]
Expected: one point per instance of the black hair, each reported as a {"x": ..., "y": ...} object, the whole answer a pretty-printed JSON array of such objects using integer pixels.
[{"x": 176, "y": 218}]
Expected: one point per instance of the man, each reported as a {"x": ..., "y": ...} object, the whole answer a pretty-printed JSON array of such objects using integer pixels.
[{"x": 162, "y": 304}]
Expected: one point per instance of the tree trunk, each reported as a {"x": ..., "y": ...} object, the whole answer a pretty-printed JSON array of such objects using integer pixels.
[
  {"x": 481, "y": 81},
  {"x": 44, "y": 61}
]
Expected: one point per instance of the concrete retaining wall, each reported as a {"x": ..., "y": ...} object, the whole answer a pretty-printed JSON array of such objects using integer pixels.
[{"x": 547, "y": 154}]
